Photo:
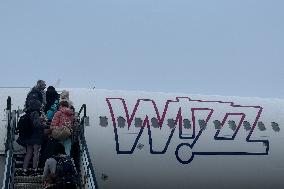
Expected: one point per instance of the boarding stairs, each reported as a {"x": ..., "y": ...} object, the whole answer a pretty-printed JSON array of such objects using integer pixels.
[
  {"x": 13, "y": 178},
  {"x": 25, "y": 182}
]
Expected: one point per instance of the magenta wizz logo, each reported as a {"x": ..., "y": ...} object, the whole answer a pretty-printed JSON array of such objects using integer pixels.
[{"x": 179, "y": 110}]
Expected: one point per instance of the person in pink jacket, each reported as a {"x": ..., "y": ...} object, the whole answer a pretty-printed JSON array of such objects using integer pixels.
[{"x": 64, "y": 117}]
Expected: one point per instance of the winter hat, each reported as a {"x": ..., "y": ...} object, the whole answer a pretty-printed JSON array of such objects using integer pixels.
[{"x": 64, "y": 95}]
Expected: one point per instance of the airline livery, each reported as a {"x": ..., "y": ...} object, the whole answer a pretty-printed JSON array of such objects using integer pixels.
[{"x": 174, "y": 141}]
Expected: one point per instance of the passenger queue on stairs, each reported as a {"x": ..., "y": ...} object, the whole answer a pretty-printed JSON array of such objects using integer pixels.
[{"x": 45, "y": 130}]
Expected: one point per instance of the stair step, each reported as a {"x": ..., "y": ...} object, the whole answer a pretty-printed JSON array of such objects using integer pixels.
[
  {"x": 28, "y": 179},
  {"x": 19, "y": 164},
  {"x": 19, "y": 173},
  {"x": 20, "y": 155},
  {"x": 18, "y": 170},
  {"x": 18, "y": 158},
  {"x": 28, "y": 186}
]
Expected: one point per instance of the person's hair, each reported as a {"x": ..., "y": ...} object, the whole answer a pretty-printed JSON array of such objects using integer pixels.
[
  {"x": 64, "y": 104},
  {"x": 59, "y": 149},
  {"x": 50, "y": 88},
  {"x": 40, "y": 82}
]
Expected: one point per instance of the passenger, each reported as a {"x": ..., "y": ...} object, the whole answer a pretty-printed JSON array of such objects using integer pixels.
[
  {"x": 64, "y": 96},
  {"x": 64, "y": 117},
  {"x": 34, "y": 141},
  {"x": 52, "y": 103},
  {"x": 37, "y": 93},
  {"x": 47, "y": 149},
  {"x": 50, "y": 113},
  {"x": 59, "y": 170},
  {"x": 51, "y": 97}
]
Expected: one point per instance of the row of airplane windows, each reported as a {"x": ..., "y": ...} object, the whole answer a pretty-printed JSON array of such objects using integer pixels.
[{"x": 121, "y": 123}]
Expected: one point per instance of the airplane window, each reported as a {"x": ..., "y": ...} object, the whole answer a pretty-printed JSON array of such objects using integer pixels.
[
  {"x": 154, "y": 122},
  {"x": 121, "y": 122},
  {"x": 217, "y": 124},
  {"x": 186, "y": 124},
  {"x": 202, "y": 124},
  {"x": 261, "y": 126},
  {"x": 232, "y": 125},
  {"x": 247, "y": 125},
  {"x": 140, "y": 146},
  {"x": 138, "y": 122},
  {"x": 171, "y": 123},
  {"x": 103, "y": 121},
  {"x": 275, "y": 126}
]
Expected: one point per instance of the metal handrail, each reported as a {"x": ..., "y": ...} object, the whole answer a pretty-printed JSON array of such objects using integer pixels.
[
  {"x": 9, "y": 150},
  {"x": 90, "y": 172},
  {"x": 9, "y": 103},
  {"x": 83, "y": 107}
]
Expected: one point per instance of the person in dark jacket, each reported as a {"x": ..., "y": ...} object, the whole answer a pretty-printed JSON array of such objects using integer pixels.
[
  {"x": 37, "y": 93},
  {"x": 51, "y": 97},
  {"x": 52, "y": 180},
  {"x": 52, "y": 104},
  {"x": 33, "y": 143}
]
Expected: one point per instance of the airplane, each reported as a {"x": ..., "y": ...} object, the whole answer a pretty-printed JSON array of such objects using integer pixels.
[{"x": 150, "y": 140}]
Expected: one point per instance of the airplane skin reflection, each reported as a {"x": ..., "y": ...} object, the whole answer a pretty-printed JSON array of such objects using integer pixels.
[{"x": 159, "y": 140}]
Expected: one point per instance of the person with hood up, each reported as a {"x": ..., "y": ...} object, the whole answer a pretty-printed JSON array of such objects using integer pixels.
[
  {"x": 65, "y": 116},
  {"x": 51, "y": 97},
  {"x": 52, "y": 103}
]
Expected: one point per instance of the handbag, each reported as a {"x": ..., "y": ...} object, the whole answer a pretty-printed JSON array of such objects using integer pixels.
[{"x": 61, "y": 133}]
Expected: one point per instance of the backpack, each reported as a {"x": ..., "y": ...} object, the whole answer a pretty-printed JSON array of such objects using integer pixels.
[
  {"x": 35, "y": 94},
  {"x": 65, "y": 172},
  {"x": 25, "y": 126}
]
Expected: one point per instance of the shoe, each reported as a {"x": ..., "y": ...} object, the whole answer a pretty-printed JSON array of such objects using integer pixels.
[{"x": 25, "y": 173}]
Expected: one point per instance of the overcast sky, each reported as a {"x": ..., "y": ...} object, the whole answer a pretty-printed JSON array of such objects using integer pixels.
[{"x": 220, "y": 47}]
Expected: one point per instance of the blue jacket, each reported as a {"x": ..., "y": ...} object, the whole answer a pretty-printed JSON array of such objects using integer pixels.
[{"x": 50, "y": 113}]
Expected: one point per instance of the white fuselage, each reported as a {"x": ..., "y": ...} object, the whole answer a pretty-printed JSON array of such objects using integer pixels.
[{"x": 154, "y": 140}]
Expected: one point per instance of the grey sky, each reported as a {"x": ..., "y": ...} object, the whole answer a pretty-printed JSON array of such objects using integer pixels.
[{"x": 208, "y": 47}]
